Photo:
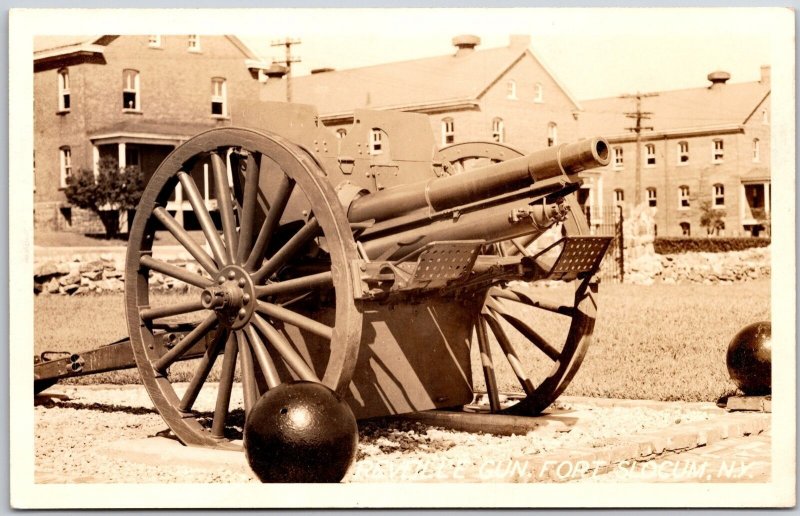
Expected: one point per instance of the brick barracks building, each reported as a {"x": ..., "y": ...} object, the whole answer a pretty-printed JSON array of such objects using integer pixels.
[{"x": 130, "y": 98}]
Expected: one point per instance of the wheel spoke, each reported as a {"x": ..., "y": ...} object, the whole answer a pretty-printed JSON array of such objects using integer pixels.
[
  {"x": 295, "y": 319},
  {"x": 202, "y": 371},
  {"x": 528, "y": 332},
  {"x": 173, "y": 271},
  {"x": 519, "y": 296},
  {"x": 249, "y": 387},
  {"x": 312, "y": 282},
  {"x": 301, "y": 238},
  {"x": 186, "y": 241},
  {"x": 225, "y": 388},
  {"x": 249, "y": 208},
  {"x": 157, "y": 312},
  {"x": 204, "y": 218},
  {"x": 292, "y": 357},
  {"x": 262, "y": 356},
  {"x": 511, "y": 354},
  {"x": 187, "y": 342},
  {"x": 224, "y": 204},
  {"x": 488, "y": 366},
  {"x": 282, "y": 195}
]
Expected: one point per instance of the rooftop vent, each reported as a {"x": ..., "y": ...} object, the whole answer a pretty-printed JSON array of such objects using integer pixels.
[
  {"x": 466, "y": 44},
  {"x": 718, "y": 79},
  {"x": 321, "y": 70}
]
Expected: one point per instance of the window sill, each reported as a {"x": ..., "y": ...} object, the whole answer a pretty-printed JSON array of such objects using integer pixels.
[
  {"x": 618, "y": 168},
  {"x": 684, "y": 208},
  {"x": 62, "y": 111},
  {"x": 194, "y": 51},
  {"x": 221, "y": 117},
  {"x": 132, "y": 111},
  {"x": 538, "y": 102},
  {"x": 682, "y": 164},
  {"x": 718, "y": 162},
  {"x": 649, "y": 166},
  {"x": 155, "y": 47}
]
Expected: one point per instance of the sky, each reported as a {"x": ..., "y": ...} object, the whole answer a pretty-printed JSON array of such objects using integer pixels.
[{"x": 594, "y": 52}]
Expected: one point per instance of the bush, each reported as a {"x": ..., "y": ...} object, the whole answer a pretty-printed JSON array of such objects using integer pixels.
[
  {"x": 109, "y": 192},
  {"x": 678, "y": 245}
]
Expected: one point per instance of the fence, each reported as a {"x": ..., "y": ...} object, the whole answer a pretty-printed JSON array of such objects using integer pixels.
[{"x": 607, "y": 221}]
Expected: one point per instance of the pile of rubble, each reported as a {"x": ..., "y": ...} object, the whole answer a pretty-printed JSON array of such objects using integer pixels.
[
  {"x": 706, "y": 268},
  {"x": 76, "y": 277}
]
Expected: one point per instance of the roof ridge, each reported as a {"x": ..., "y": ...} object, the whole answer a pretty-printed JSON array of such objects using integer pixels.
[{"x": 694, "y": 88}]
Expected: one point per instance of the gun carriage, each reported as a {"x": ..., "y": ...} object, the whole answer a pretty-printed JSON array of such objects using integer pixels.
[{"x": 373, "y": 263}]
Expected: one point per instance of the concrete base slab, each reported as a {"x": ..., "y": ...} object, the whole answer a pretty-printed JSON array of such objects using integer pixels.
[
  {"x": 751, "y": 403},
  {"x": 156, "y": 451}
]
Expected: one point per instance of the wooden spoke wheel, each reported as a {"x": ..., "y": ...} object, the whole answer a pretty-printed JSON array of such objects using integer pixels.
[
  {"x": 531, "y": 337},
  {"x": 267, "y": 275}
]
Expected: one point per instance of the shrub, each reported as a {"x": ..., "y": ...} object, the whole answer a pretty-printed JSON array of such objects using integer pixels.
[
  {"x": 110, "y": 191},
  {"x": 678, "y": 245}
]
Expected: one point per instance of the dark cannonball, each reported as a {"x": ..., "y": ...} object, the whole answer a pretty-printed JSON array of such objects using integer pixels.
[
  {"x": 749, "y": 359},
  {"x": 300, "y": 432}
]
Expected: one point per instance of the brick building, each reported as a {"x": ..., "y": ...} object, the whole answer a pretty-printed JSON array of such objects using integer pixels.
[
  {"x": 130, "y": 98},
  {"x": 707, "y": 145},
  {"x": 503, "y": 94}
]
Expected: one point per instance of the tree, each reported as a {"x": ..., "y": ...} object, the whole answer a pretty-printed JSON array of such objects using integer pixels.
[
  {"x": 711, "y": 218},
  {"x": 110, "y": 191}
]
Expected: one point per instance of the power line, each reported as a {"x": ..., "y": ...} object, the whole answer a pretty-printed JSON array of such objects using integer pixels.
[
  {"x": 639, "y": 115},
  {"x": 287, "y": 60}
]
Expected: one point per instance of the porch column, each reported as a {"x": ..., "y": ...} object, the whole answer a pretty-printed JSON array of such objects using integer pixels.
[
  {"x": 766, "y": 198},
  {"x": 121, "y": 155},
  {"x": 600, "y": 192},
  {"x": 742, "y": 202},
  {"x": 95, "y": 160}
]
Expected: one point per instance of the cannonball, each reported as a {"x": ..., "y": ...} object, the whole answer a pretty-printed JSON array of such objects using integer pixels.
[
  {"x": 300, "y": 432},
  {"x": 749, "y": 359}
]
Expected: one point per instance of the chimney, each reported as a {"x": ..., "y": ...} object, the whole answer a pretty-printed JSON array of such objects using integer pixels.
[
  {"x": 765, "y": 74},
  {"x": 519, "y": 40},
  {"x": 276, "y": 71},
  {"x": 718, "y": 79},
  {"x": 466, "y": 44}
]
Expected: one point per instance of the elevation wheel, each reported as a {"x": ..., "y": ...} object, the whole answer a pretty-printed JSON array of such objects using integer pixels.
[
  {"x": 531, "y": 336},
  {"x": 266, "y": 286}
]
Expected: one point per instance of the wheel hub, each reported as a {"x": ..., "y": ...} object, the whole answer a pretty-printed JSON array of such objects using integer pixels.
[{"x": 232, "y": 298}]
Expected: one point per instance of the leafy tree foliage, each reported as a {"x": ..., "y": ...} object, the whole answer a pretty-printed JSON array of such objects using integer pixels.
[
  {"x": 112, "y": 190},
  {"x": 711, "y": 218}
]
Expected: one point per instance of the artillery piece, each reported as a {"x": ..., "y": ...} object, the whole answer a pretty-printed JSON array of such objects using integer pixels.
[{"x": 372, "y": 263}]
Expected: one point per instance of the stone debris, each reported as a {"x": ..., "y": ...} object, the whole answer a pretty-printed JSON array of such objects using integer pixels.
[{"x": 704, "y": 268}]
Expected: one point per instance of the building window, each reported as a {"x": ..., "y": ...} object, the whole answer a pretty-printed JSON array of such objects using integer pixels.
[
  {"x": 719, "y": 151},
  {"x": 618, "y": 159},
  {"x": 650, "y": 155},
  {"x": 619, "y": 195},
  {"x": 194, "y": 43},
  {"x": 66, "y": 165},
  {"x": 154, "y": 41},
  {"x": 552, "y": 134},
  {"x": 683, "y": 152},
  {"x": 341, "y": 133},
  {"x": 512, "y": 90},
  {"x": 63, "y": 90},
  {"x": 498, "y": 130},
  {"x": 375, "y": 142},
  {"x": 448, "y": 131},
  {"x": 652, "y": 199},
  {"x": 764, "y": 116},
  {"x": 719, "y": 195},
  {"x": 219, "y": 97},
  {"x": 538, "y": 93},
  {"x": 756, "y": 150},
  {"x": 130, "y": 90},
  {"x": 683, "y": 197},
  {"x": 686, "y": 229}
]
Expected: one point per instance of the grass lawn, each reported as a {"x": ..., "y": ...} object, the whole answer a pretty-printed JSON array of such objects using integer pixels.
[{"x": 662, "y": 342}]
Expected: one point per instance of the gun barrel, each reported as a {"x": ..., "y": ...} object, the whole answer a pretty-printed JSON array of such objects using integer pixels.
[{"x": 482, "y": 183}]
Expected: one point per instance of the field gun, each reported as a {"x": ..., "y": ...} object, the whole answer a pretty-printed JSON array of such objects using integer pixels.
[{"x": 367, "y": 259}]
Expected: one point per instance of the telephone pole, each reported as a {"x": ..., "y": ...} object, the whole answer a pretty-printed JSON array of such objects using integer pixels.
[
  {"x": 287, "y": 60},
  {"x": 639, "y": 115}
]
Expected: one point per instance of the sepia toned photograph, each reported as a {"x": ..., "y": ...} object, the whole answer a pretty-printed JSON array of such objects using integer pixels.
[{"x": 402, "y": 258}]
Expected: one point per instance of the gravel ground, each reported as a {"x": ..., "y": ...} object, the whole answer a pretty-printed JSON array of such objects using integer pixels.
[{"x": 73, "y": 435}]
